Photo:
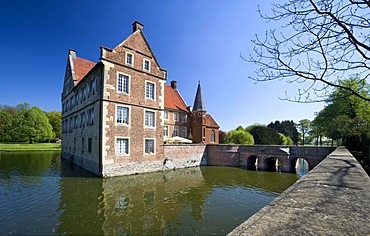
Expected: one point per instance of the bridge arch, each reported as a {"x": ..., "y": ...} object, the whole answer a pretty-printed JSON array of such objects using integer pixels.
[
  {"x": 273, "y": 164},
  {"x": 300, "y": 165},
  {"x": 252, "y": 162}
]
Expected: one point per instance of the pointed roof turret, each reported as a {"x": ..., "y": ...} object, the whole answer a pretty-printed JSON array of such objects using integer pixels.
[{"x": 199, "y": 102}]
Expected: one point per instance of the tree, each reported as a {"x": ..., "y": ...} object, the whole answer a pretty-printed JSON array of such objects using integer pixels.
[
  {"x": 32, "y": 125},
  {"x": 265, "y": 136},
  {"x": 304, "y": 126},
  {"x": 239, "y": 137},
  {"x": 221, "y": 136},
  {"x": 286, "y": 127},
  {"x": 5, "y": 126},
  {"x": 55, "y": 120},
  {"x": 324, "y": 40},
  {"x": 284, "y": 140}
]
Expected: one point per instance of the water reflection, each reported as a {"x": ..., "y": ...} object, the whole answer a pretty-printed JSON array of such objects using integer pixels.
[{"x": 65, "y": 199}]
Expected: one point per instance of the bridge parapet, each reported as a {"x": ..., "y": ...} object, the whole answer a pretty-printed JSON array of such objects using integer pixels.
[
  {"x": 262, "y": 157},
  {"x": 332, "y": 199}
]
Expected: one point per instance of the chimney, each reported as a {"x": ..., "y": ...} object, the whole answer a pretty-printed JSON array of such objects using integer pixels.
[
  {"x": 73, "y": 53},
  {"x": 174, "y": 84},
  {"x": 137, "y": 26}
]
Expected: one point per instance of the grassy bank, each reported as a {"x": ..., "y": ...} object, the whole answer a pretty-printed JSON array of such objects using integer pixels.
[{"x": 29, "y": 147}]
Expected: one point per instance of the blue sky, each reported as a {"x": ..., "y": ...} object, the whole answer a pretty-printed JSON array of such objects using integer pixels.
[{"x": 193, "y": 40}]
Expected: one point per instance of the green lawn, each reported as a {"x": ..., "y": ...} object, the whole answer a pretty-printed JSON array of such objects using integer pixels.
[{"x": 29, "y": 147}]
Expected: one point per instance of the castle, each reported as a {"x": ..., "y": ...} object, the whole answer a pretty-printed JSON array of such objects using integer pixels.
[{"x": 118, "y": 113}]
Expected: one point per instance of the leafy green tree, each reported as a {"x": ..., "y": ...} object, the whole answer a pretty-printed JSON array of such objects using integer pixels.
[
  {"x": 265, "y": 135},
  {"x": 304, "y": 126},
  {"x": 284, "y": 140},
  {"x": 239, "y": 137},
  {"x": 286, "y": 127},
  {"x": 5, "y": 126},
  {"x": 32, "y": 125},
  {"x": 55, "y": 120}
]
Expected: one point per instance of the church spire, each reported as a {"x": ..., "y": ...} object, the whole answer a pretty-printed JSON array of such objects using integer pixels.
[{"x": 198, "y": 102}]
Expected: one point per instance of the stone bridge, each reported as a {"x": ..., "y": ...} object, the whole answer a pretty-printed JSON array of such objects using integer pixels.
[{"x": 263, "y": 157}]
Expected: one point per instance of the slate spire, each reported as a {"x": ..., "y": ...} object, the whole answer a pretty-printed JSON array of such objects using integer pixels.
[{"x": 199, "y": 102}]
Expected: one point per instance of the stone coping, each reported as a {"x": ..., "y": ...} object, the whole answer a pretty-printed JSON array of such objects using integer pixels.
[{"x": 332, "y": 199}]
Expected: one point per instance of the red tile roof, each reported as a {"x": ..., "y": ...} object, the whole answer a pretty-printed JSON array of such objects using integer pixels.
[
  {"x": 210, "y": 122},
  {"x": 173, "y": 100},
  {"x": 82, "y": 67}
]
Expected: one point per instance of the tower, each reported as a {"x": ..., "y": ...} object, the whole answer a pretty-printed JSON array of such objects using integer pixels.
[{"x": 198, "y": 118}]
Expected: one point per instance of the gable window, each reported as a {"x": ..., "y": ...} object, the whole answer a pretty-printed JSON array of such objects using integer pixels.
[
  {"x": 150, "y": 90},
  {"x": 122, "y": 146},
  {"x": 175, "y": 131},
  {"x": 184, "y": 132},
  {"x": 146, "y": 65},
  {"x": 122, "y": 115},
  {"x": 166, "y": 130},
  {"x": 149, "y": 119},
  {"x": 149, "y": 146},
  {"x": 123, "y": 83},
  {"x": 213, "y": 136},
  {"x": 166, "y": 115},
  {"x": 129, "y": 59}
]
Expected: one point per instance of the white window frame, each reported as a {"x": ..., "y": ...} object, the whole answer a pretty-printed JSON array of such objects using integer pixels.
[
  {"x": 116, "y": 146},
  {"x": 166, "y": 131},
  {"x": 184, "y": 132},
  {"x": 213, "y": 136},
  {"x": 145, "y": 119},
  {"x": 146, "y": 60},
  {"x": 128, "y": 115},
  {"x": 176, "y": 116},
  {"x": 148, "y": 95},
  {"x": 132, "y": 59},
  {"x": 165, "y": 115},
  {"x": 154, "y": 149},
  {"x": 123, "y": 79},
  {"x": 175, "y": 131},
  {"x": 184, "y": 118}
]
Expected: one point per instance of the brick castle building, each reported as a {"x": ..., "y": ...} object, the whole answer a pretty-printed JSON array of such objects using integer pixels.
[{"x": 118, "y": 112}]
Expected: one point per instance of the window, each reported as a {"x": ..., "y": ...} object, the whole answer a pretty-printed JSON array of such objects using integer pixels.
[
  {"x": 122, "y": 115},
  {"x": 184, "y": 118},
  {"x": 83, "y": 119},
  {"x": 129, "y": 59},
  {"x": 149, "y": 119},
  {"x": 175, "y": 131},
  {"x": 83, "y": 145},
  {"x": 90, "y": 116},
  {"x": 122, "y": 146},
  {"x": 76, "y": 98},
  {"x": 184, "y": 132},
  {"x": 166, "y": 115},
  {"x": 146, "y": 65},
  {"x": 92, "y": 86},
  {"x": 150, "y": 90},
  {"x": 149, "y": 146},
  {"x": 176, "y": 116},
  {"x": 81, "y": 95},
  {"x": 85, "y": 91},
  {"x": 123, "y": 83},
  {"x": 89, "y": 145},
  {"x": 166, "y": 130},
  {"x": 76, "y": 122},
  {"x": 213, "y": 136}
]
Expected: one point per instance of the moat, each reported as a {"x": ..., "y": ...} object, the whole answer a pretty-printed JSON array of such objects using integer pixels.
[{"x": 40, "y": 193}]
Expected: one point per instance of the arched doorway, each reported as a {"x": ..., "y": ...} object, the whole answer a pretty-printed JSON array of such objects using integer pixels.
[{"x": 252, "y": 163}]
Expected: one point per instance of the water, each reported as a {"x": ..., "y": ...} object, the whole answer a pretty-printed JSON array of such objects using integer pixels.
[{"x": 42, "y": 194}]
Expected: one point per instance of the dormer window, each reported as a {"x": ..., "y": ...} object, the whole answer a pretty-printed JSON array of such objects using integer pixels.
[
  {"x": 129, "y": 59},
  {"x": 146, "y": 65}
]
